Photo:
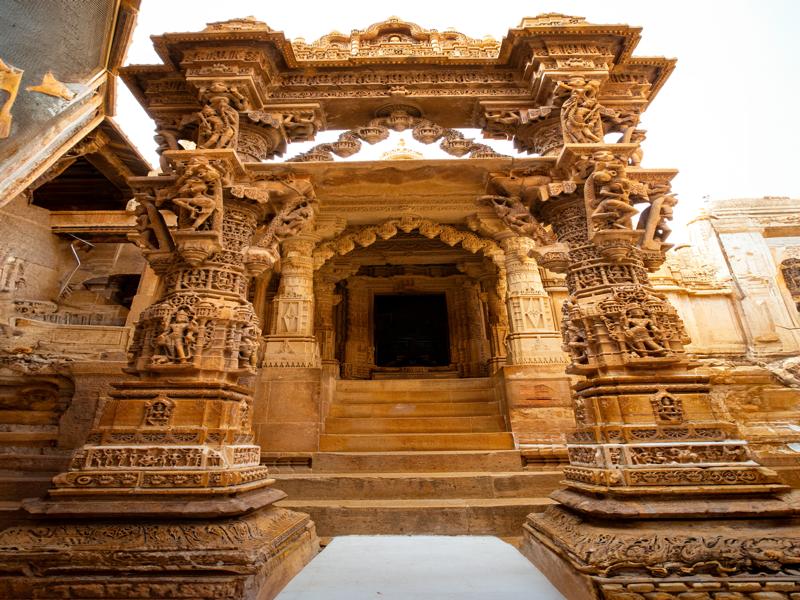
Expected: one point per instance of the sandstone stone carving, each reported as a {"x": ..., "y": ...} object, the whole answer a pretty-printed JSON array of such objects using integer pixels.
[{"x": 254, "y": 302}]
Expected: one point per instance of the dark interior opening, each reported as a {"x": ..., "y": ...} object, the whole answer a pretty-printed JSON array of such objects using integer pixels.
[
  {"x": 411, "y": 331},
  {"x": 80, "y": 187}
]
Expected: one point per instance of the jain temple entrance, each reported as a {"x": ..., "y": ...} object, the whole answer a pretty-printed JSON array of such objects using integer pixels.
[{"x": 500, "y": 340}]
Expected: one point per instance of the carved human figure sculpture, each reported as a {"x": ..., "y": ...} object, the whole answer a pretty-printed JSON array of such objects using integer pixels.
[
  {"x": 198, "y": 190},
  {"x": 580, "y": 112},
  {"x": 641, "y": 334},
  {"x": 607, "y": 191},
  {"x": 219, "y": 123},
  {"x": 176, "y": 343}
]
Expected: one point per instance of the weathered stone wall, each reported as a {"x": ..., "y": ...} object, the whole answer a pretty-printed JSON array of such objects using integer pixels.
[{"x": 25, "y": 234}]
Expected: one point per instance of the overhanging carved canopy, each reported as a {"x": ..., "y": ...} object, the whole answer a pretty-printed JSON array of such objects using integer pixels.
[{"x": 507, "y": 89}]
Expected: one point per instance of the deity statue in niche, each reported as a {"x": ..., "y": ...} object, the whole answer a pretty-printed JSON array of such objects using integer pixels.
[
  {"x": 641, "y": 334},
  {"x": 177, "y": 342},
  {"x": 248, "y": 346},
  {"x": 667, "y": 408},
  {"x": 158, "y": 412}
]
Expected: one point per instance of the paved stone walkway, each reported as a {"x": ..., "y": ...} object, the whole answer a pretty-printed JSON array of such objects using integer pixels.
[{"x": 419, "y": 568}]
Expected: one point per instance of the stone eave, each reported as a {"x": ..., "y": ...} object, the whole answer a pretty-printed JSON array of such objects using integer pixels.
[
  {"x": 661, "y": 66},
  {"x": 523, "y": 39},
  {"x": 169, "y": 45}
]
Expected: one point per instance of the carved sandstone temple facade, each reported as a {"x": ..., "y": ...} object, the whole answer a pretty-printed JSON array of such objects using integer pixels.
[{"x": 406, "y": 345}]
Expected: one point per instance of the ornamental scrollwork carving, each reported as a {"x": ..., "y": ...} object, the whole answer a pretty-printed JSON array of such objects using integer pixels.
[
  {"x": 394, "y": 38},
  {"x": 661, "y": 554}
]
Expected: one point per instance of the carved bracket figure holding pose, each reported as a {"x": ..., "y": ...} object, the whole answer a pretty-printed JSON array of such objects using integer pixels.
[
  {"x": 580, "y": 114},
  {"x": 607, "y": 193},
  {"x": 198, "y": 193},
  {"x": 655, "y": 218},
  {"x": 219, "y": 118},
  {"x": 518, "y": 218},
  {"x": 295, "y": 208}
]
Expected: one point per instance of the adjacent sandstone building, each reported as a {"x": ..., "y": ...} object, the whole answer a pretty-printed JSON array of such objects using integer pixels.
[{"x": 206, "y": 366}]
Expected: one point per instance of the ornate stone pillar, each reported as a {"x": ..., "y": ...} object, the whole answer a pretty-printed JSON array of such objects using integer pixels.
[
  {"x": 171, "y": 459},
  {"x": 182, "y": 423},
  {"x": 291, "y": 341},
  {"x": 533, "y": 335},
  {"x": 649, "y": 456}
]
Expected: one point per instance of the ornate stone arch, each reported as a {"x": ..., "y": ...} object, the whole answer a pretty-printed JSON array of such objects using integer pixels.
[{"x": 369, "y": 234}]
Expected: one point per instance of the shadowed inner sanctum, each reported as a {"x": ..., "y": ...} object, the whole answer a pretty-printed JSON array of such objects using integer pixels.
[{"x": 411, "y": 331}]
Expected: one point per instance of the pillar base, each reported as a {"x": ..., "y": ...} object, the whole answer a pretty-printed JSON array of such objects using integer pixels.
[
  {"x": 712, "y": 559},
  {"x": 249, "y": 557}
]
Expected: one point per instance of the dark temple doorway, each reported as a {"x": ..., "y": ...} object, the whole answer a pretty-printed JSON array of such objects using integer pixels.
[{"x": 411, "y": 331}]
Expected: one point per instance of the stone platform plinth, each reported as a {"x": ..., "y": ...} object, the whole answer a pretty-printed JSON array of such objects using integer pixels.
[
  {"x": 665, "y": 559},
  {"x": 247, "y": 557}
]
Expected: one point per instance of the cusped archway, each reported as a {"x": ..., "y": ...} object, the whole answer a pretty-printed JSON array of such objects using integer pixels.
[{"x": 369, "y": 234}]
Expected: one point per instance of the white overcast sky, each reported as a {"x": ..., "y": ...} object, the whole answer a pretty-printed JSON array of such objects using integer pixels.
[{"x": 728, "y": 117}]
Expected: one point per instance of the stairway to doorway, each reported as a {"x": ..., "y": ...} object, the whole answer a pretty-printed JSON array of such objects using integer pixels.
[
  {"x": 391, "y": 415},
  {"x": 417, "y": 457}
]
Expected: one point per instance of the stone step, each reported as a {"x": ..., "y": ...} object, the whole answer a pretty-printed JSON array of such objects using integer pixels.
[
  {"x": 386, "y": 486},
  {"x": 413, "y": 409},
  {"x": 417, "y": 462},
  {"x": 368, "y": 385},
  {"x": 411, "y": 396},
  {"x": 495, "y": 516},
  {"x": 415, "y": 441},
  {"x": 415, "y": 425}
]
